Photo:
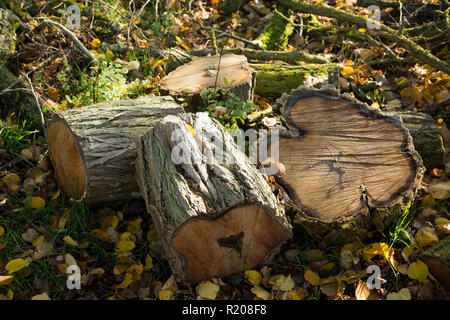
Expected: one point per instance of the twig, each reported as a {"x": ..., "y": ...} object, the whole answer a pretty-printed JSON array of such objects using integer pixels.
[
  {"x": 86, "y": 52},
  {"x": 384, "y": 31},
  {"x": 38, "y": 105}
]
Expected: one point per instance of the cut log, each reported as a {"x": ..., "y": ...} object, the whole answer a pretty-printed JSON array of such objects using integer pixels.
[
  {"x": 93, "y": 148},
  {"x": 215, "y": 217},
  {"x": 426, "y": 138},
  {"x": 229, "y": 71},
  {"x": 437, "y": 258},
  {"x": 349, "y": 168}
]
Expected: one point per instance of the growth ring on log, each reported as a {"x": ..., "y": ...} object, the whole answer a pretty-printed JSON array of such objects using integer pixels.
[
  {"x": 345, "y": 161},
  {"x": 229, "y": 71}
]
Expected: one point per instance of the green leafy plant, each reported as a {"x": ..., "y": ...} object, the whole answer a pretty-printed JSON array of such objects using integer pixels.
[
  {"x": 105, "y": 81},
  {"x": 398, "y": 233},
  {"x": 15, "y": 137},
  {"x": 226, "y": 106}
]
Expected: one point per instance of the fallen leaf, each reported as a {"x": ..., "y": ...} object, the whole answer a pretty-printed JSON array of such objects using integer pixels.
[
  {"x": 312, "y": 277},
  {"x": 362, "y": 290},
  {"x": 124, "y": 246},
  {"x": 15, "y": 265},
  {"x": 37, "y": 203},
  {"x": 43, "y": 296},
  {"x": 440, "y": 190},
  {"x": 403, "y": 294},
  {"x": 30, "y": 235},
  {"x": 426, "y": 238},
  {"x": 261, "y": 293},
  {"x": 5, "y": 280},
  {"x": 208, "y": 290},
  {"x": 254, "y": 277},
  {"x": 298, "y": 294},
  {"x": 418, "y": 271},
  {"x": 2, "y": 231},
  {"x": 165, "y": 295},
  {"x": 70, "y": 241}
]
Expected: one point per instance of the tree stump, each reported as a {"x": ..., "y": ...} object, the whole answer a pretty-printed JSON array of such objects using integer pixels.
[
  {"x": 437, "y": 259},
  {"x": 93, "y": 148},
  {"x": 229, "y": 71},
  {"x": 215, "y": 217},
  {"x": 349, "y": 167}
]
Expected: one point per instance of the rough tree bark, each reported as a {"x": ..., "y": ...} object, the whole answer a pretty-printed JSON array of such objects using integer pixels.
[
  {"x": 437, "y": 259},
  {"x": 349, "y": 168},
  {"x": 426, "y": 138},
  {"x": 93, "y": 148},
  {"x": 213, "y": 209}
]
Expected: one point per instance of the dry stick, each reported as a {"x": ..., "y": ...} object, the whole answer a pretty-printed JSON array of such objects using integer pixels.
[
  {"x": 266, "y": 55},
  {"x": 38, "y": 105},
  {"x": 86, "y": 52},
  {"x": 384, "y": 31}
]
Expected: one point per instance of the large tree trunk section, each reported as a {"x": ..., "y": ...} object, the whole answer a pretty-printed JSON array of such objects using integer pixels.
[
  {"x": 349, "y": 168},
  {"x": 215, "y": 217},
  {"x": 426, "y": 138},
  {"x": 437, "y": 258},
  {"x": 93, "y": 148},
  {"x": 274, "y": 80},
  {"x": 229, "y": 71}
]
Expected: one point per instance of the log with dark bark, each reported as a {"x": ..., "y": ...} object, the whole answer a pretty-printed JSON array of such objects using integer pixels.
[
  {"x": 426, "y": 138},
  {"x": 349, "y": 168},
  {"x": 93, "y": 148},
  {"x": 228, "y": 71},
  {"x": 214, "y": 210}
]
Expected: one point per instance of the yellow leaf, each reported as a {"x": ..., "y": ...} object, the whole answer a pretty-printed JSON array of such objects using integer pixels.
[
  {"x": 389, "y": 10},
  {"x": 347, "y": 71},
  {"x": 165, "y": 295},
  {"x": 152, "y": 236},
  {"x": 280, "y": 282},
  {"x": 362, "y": 30},
  {"x": 119, "y": 269},
  {"x": 134, "y": 226},
  {"x": 254, "y": 277},
  {"x": 348, "y": 276},
  {"x": 191, "y": 129},
  {"x": 56, "y": 195},
  {"x": 426, "y": 238},
  {"x": 418, "y": 271},
  {"x": 261, "y": 293},
  {"x": 312, "y": 277},
  {"x": 110, "y": 54},
  {"x": 37, "y": 203},
  {"x": 70, "y": 241},
  {"x": 2, "y": 231},
  {"x": 125, "y": 245},
  {"x": 96, "y": 43},
  {"x": 12, "y": 182},
  {"x": 374, "y": 249},
  {"x": 208, "y": 290},
  {"x": 297, "y": 294},
  {"x": 148, "y": 262},
  {"x": 110, "y": 221},
  {"x": 15, "y": 265},
  {"x": 437, "y": 221},
  {"x": 182, "y": 43},
  {"x": 43, "y": 296},
  {"x": 126, "y": 281},
  {"x": 38, "y": 240},
  {"x": 5, "y": 280},
  {"x": 101, "y": 235},
  {"x": 403, "y": 294},
  {"x": 411, "y": 94}
]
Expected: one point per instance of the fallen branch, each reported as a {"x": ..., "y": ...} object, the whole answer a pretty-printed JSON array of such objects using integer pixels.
[
  {"x": 264, "y": 55},
  {"x": 383, "y": 31}
]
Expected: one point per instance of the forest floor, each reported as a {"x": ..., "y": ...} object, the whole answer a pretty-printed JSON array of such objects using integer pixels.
[{"x": 42, "y": 232}]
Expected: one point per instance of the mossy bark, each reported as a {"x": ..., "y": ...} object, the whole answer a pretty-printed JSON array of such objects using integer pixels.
[
  {"x": 230, "y": 6},
  {"x": 426, "y": 138},
  {"x": 8, "y": 25},
  {"x": 274, "y": 80},
  {"x": 437, "y": 259},
  {"x": 276, "y": 33}
]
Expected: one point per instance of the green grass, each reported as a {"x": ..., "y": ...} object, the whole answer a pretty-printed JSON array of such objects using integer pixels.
[{"x": 16, "y": 137}]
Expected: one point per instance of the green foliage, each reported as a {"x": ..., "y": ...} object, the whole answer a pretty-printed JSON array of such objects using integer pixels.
[
  {"x": 226, "y": 107},
  {"x": 398, "y": 233},
  {"x": 15, "y": 137},
  {"x": 104, "y": 81}
]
